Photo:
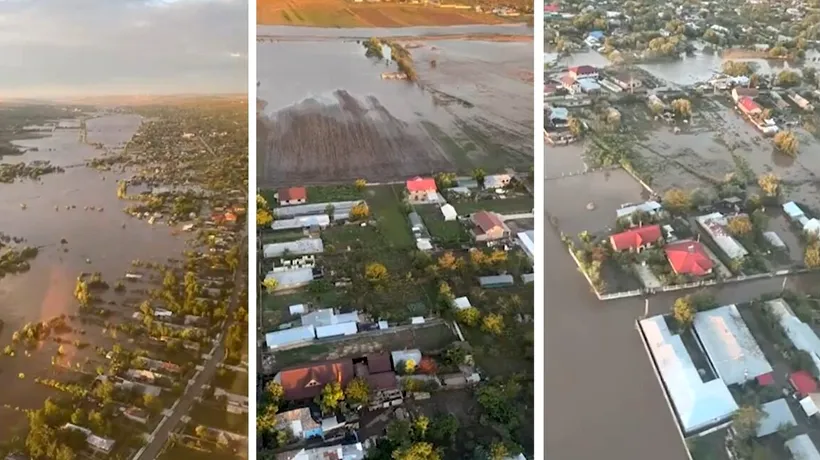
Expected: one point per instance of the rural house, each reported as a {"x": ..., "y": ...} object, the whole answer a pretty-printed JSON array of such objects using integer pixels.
[
  {"x": 636, "y": 239},
  {"x": 689, "y": 258},
  {"x": 306, "y": 382},
  {"x": 739, "y": 92},
  {"x": 749, "y": 106},
  {"x": 487, "y": 226},
  {"x": 292, "y": 196},
  {"x": 627, "y": 81},
  {"x": 420, "y": 189},
  {"x": 570, "y": 84},
  {"x": 583, "y": 71},
  {"x": 299, "y": 423}
]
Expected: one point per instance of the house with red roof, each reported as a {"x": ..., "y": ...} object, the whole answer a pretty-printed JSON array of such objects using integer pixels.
[
  {"x": 636, "y": 239},
  {"x": 689, "y": 258},
  {"x": 292, "y": 196},
  {"x": 583, "y": 71},
  {"x": 419, "y": 188},
  {"x": 748, "y": 106},
  {"x": 487, "y": 226},
  {"x": 570, "y": 84},
  {"x": 306, "y": 382},
  {"x": 803, "y": 383}
]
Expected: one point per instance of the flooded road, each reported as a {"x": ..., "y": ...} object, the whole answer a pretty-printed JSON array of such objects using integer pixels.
[
  {"x": 331, "y": 114},
  {"x": 96, "y": 241}
]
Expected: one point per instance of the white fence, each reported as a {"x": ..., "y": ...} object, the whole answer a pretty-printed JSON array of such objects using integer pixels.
[{"x": 681, "y": 287}]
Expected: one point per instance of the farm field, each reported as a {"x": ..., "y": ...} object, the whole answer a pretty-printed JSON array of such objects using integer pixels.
[{"x": 342, "y": 13}]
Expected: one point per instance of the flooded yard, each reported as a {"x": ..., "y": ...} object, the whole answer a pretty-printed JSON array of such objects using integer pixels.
[
  {"x": 560, "y": 160},
  {"x": 330, "y": 116},
  {"x": 76, "y": 221},
  {"x": 604, "y": 191}
]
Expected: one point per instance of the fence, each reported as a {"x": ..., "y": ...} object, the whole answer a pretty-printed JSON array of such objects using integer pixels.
[{"x": 681, "y": 287}]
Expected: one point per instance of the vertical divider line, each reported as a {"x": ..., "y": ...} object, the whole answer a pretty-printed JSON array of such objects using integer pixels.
[
  {"x": 540, "y": 221},
  {"x": 253, "y": 269}
]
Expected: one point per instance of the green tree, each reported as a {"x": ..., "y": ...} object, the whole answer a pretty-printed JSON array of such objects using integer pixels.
[
  {"x": 684, "y": 312},
  {"x": 746, "y": 421},
  {"x": 811, "y": 256},
  {"x": 417, "y": 451},
  {"x": 787, "y": 78},
  {"x": 787, "y": 143},
  {"x": 677, "y": 200},
  {"x": 479, "y": 175},
  {"x": 682, "y": 107},
  {"x": 740, "y": 225},
  {"x": 357, "y": 392},
  {"x": 331, "y": 395},
  {"x": 493, "y": 323},
  {"x": 375, "y": 272},
  {"x": 769, "y": 183},
  {"x": 575, "y": 126},
  {"x": 420, "y": 426}
]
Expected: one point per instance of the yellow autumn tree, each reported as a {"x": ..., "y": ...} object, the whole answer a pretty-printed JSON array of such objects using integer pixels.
[
  {"x": 270, "y": 284},
  {"x": 263, "y": 217},
  {"x": 360, "y": 211}
]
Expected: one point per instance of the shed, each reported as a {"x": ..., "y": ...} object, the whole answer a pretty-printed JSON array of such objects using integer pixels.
[
  {"x": 802, "y": 447},
  {"x": 775, "y": 414},
  {"x": 287, "y": 337},
  {"x": 808, "y": 406},
  {"x": 335, "y": 330},
  {"x": 462, "y": 303},
  {"x": 496, "y": 281},
  {"x": 298, "y": 309},
  {"x": 774, "y": 240},
  {"x": 449, "y": 212},
  {"x": 417, "y": 320},
  {"x": 803, "y": 383},
  {"x": 415, "y": 221},
  {"x": 793, "y": 210},
  {"x": 383, "y": 325}
]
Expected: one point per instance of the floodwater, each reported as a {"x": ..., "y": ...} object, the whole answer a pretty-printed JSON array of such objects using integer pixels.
[
  {"x": 472, "y": 105},
  {"x": 46, "y": 291},
  {"x": 689, "y": 70},
  {"x": 602, "y": 399}
]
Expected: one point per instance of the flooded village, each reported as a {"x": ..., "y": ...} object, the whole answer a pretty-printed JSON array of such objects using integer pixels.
[
  {"x": 395, "y": 224},
  {"x": 680, "y": 144},
  {"x": 122, "y": 303}
]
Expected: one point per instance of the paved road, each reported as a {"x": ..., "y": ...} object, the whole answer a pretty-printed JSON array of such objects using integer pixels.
[
  {"x": 602, "y": 397},
  {"x": 188, "y": 399}
]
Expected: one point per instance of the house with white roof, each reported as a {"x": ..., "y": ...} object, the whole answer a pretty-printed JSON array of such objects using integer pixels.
[
  {"x": 461, "y": 303},
  {"x": 698, "y": 404},
  {"x": 649, "y": 207},
  {"x": 449, "y": 212},
  {"x": 799, "y": 333},
  {"x": 775, "y": 414},
  {"x": 715, "y": 226},
  {"x": 290, "y": 338},
  {"x": 802, "y": 448},
  {"x": 294, "y": 248},
  {"x": 730, "y": 346}
]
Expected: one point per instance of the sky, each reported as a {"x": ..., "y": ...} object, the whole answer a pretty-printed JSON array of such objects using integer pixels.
[{"x": 69, "y": 48}]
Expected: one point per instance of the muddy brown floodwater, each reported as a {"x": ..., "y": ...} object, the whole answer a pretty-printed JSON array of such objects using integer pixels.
[
  {"x": 46, "y": 290},
  {"x": 328, "y": 116}
]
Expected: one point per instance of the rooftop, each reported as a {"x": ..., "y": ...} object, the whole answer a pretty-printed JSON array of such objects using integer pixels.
[
  {"x": 698, "y": 404},
  {"x": 295, "y": 248},
  {"x": 292, "y": 194},
  {"x": 730, "y": 346},
  {"x": 689, "y": 257},
  {"x": 636, "y": 237},
  {"x": 285, "y": 337},
  {"x": 775, "y": 414},
  {"x": 801, "y": 334},
  {"x": 487, "y": 221},
  {"x": 306, "y": 382},
  {"x": 802, "y": 448},
  {"x": 420, "y": 184}
]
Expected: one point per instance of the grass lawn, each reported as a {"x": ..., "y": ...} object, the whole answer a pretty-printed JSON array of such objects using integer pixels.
[
  {"x": 269, "y": 237},
  {"x": 275, "y": 307},
  {"x": 328, "y": 193},
  {"x": 217, "y": 417},
  {"x": 506, "y": 206},
  {"x": 387, "y": 207},
  {"x": 232, "y": 381},
  {"x": 441, "y": 230}
]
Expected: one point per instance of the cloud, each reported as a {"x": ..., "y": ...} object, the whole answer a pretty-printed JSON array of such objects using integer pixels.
[{"x": 95, "y": 47}]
